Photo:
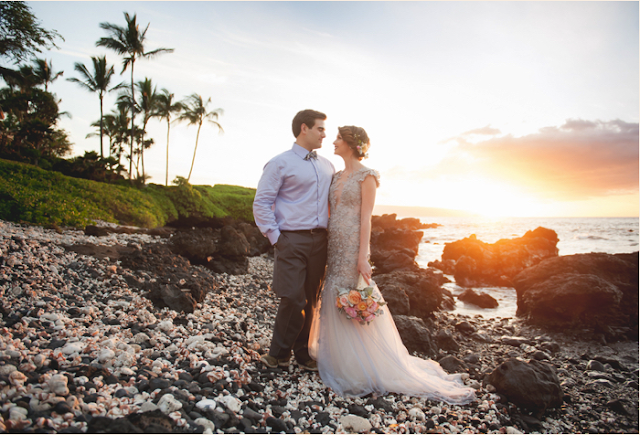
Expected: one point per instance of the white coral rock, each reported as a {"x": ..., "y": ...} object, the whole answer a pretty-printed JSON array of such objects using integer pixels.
[
  {"x": 169, "y": 404},
  {"x": 354, "y": 424}
]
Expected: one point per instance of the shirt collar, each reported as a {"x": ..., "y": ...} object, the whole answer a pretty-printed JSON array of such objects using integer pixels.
[{"x": 299, "y": 151}]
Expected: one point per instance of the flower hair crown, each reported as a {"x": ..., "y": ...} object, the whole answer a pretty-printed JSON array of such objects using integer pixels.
[{"x": 361, "y": 146}]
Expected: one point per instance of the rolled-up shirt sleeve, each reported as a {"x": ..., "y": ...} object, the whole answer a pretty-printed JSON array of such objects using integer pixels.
[{"x": 264, "y": 202}]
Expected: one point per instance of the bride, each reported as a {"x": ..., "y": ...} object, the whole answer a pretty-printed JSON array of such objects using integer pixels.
[{"x": 356, "y": 359}]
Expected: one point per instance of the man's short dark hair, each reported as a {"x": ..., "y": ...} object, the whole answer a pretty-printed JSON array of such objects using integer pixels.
[{"x": 307, "y": 117}]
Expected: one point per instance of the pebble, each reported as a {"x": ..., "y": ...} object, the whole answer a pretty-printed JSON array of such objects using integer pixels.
[
  {"x": 58, "y": 384},
  {"x": 169, "y": 404},
  {"x": 148, "y": 406},
  {"x": 417, "y": 414},
  {"x": 596, "y": 365},
  {"x": 230, "y": 403},
  {"x": 7, "y": 369},
  {"x": 355, "y": 424},
  {"x": 208, "y": 425},
  {"x": 206, "y": 404}
]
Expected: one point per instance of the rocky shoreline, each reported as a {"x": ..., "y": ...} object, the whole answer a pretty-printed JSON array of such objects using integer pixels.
[{"x": 85, "y": 348}]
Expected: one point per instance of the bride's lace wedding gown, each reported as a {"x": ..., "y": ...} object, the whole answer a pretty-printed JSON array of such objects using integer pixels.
[{"x": 357, "y": 359}]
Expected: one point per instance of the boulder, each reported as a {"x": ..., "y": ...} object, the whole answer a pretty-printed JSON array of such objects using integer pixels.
[
  {"x": 258, "y": 244},
  {"x": 446, "y": 341},
  {"x": 390, "y": 221},
  {"x": 154, "y": 257},
  {"x": 394, "y": 244},
  {"x": 233, "y": 243},
  {"x": 223, "y": 250},
  {"x": 238, "y": 266},
  {"x": 388, "y": 261},
  {"x": 93, "y": 230},
  {"x": 196, "y": 245},
  {"x": 396, "y": 239},
  {"x": 173, "y": 297},
  {"x": 451, "y": 364},
  {"x": 422, "y": 287},
  {"x": 384, "y": 222},
  {"x": 482, "y": 264},
  {"x": 415, "y": 335},
  {"x": 597, "y": 291},
  {"x": 144, "y": 422},
  {"x": 176, "y": 284},
  {"x": 531, "y": 385},
  {"x": 395, "y": 295},
  {"x": 480, "y": 299},
  {"x": 447, "y": 266}
]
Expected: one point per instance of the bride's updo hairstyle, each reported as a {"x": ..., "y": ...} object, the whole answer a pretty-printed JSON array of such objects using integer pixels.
[{"x": 357, "y": 139}]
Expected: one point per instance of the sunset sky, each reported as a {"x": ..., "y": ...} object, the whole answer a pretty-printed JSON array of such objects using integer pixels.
[{"x": 499, "y": 108}]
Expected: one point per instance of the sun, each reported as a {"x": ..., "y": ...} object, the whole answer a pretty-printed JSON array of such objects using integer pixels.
[
  {"x": 493, "y": 199},
  {"x": 472, "y": 193}
]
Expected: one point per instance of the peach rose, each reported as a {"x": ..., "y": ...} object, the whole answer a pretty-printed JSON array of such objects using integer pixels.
[
  {"x": 370, "y": 301},
  {"x": 362, "y": 306},
  {"x": 354, "y": 297},
  {"x": 344, "y": 301},
  {"x": 338, "y": 304}
]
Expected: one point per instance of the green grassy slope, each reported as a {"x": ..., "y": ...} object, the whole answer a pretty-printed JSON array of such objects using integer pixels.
[{"x": 30, "y": 194}]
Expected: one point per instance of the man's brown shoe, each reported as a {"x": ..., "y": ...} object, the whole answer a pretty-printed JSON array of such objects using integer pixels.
[
  {"x": 273, "y": 362},
  {"x": 310, "y": 365}
]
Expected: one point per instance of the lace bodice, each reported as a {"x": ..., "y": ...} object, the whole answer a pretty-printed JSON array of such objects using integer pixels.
[{"x": 345, "y": 199}]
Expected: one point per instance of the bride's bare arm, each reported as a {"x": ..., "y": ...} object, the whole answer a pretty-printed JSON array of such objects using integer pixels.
[{"x": 368, "y": 200}]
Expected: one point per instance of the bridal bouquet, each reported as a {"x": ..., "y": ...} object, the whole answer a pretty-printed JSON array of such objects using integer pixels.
[{"x": 360, "y": 303}]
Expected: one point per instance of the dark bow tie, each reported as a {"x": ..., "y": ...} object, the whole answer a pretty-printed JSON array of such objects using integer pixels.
[{"x": 311, "y": 155}]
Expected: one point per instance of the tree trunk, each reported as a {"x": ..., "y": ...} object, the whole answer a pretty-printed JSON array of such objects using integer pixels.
[
  {"x": 133, "y": 115},
  {"x": 144, "y": 130},
  {"x": 194, "y": 152},
  {"x": 166, "y": 177},
  {"x": 101, "y": 130}
]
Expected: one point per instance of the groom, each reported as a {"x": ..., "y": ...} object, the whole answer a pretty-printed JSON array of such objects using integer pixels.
[{"x": 291, "y": 208}]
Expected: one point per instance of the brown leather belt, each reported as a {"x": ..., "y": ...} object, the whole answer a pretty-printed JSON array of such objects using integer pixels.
[{"x": 312, "y": 231}]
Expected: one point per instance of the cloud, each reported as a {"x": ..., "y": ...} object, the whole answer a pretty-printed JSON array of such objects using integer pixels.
[
  {"x": 486, "y": 131},
  {"x": 578, "y": 160}
]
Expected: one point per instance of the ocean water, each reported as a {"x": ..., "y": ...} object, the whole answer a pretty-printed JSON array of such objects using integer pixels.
[{"x": 576, "y": 236}]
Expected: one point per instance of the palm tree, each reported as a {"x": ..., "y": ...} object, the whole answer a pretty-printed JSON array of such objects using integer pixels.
[
  {"x": 115, "y": 126},
  {"x": 165, "y": 107},
  {"x": 129, "y": 42},
  {"x": 195, "y": 112},
  {"x": 44, "y": 72},
  {"x": 117, "y": 123},
  {"x": 148, "y": 101},
  {"x": 99, "y": 82}
]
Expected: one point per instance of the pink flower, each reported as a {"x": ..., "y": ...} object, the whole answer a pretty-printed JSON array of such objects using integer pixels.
[
  {"x": 373, "y": 308},
  {"x": 370, "y": 317},
  {"x": 351, "y": 312}
]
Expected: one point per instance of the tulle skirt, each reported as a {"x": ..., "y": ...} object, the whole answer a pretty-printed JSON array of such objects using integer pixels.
[{"x": 356, "y": 359}]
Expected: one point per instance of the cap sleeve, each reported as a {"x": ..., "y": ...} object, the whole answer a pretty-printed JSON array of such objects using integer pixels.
[{"x": 360, "y": 176}]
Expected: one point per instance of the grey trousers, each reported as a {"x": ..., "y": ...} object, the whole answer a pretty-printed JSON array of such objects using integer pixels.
[{"x": 298, "y": 273}]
